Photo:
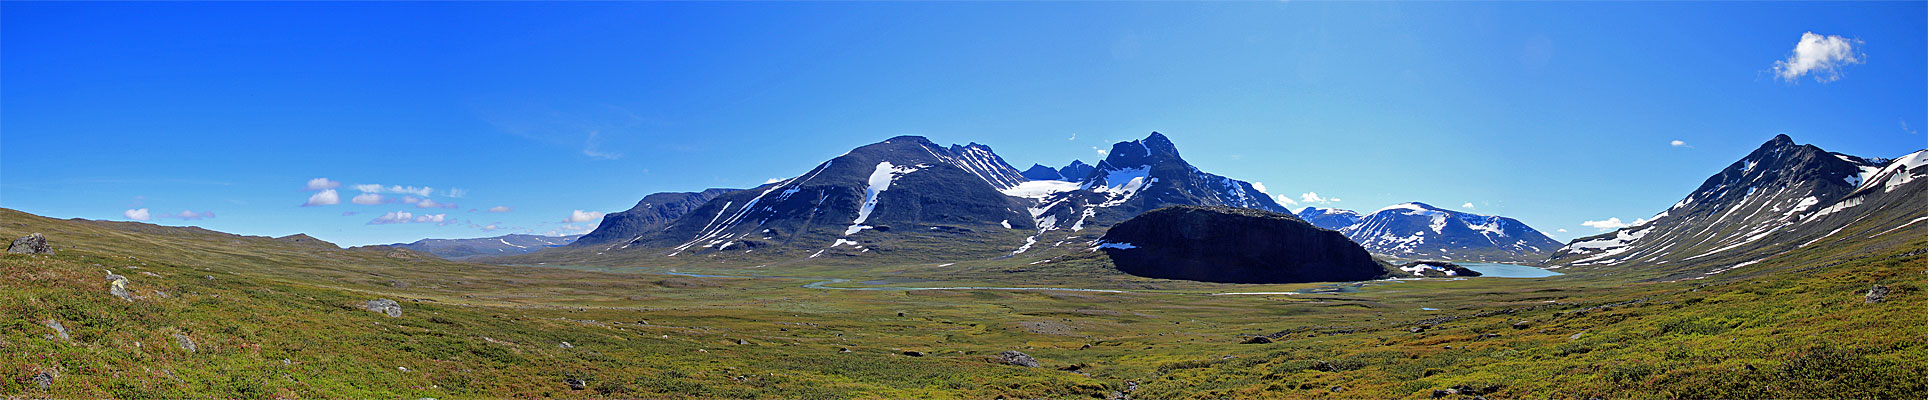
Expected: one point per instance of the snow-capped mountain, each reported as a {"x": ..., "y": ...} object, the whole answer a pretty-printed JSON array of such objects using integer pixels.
[
  {"x": 1420, "y": 231},
  {"x": 461, "y": 249},
  {"x": 653, "y": 213},
  {"x": 1135, "y": 177},
  {"x": 1779, "y": 197},
  {"x": 905, "y": 188},
  {"x": 1330, "y": 218}
]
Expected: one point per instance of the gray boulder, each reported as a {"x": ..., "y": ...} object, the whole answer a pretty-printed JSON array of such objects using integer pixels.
[
  {"x": 43, "y": 380},
  {"x": 384, "y": 306},
  {"x": 59, "y": 330},
  {"x": 576, "y": 384},
  {"x": 185, "y": 343},
  {"x": 31, "y": 244},
  {"x": 1018, "y": 358},
  {"x": 117, "y": 286},
  {"x": 1876, "y": 295}
]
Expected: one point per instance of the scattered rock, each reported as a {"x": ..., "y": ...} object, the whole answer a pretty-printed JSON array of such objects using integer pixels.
[
  {"x": 1337, "y": 389},
  {"x": 42, "y": 380},
  {"x": 900, "y": 314},
  {"x": 1523, "y": 324},
  {"x": 1576, "y": 336},
  {"x": 741, "y": 341},
  {"x": 1488, "y": 335},
  {"x": 1087, "y": 346},
  {"x": 1014, "y": 357},
  {"x": 59, "y": 330},
  {"x": 31, "y": 244},
  {"x": 384, "y": 306},
  {"x": 843, "y": 349},
  {"x": 117, "y": 286},
  {"x": 565, "y": 345},
  {"x": 1875, "y": 295},
  {"x": 1257, "y": 340},
  {"x": 575, "y": 384},
  {"x": 913, "y": 353},
  {"x": 1444, "y": 392},
  {"x": 1418, "y": 329},
  {"x": 184, "y": 342}
]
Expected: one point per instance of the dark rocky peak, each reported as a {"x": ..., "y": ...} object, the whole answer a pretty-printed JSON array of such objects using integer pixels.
[
  {"x": 1039, "y": 172},
  {"x": 1077, "y": 171},
  {"x": 1148, "y": 151}
]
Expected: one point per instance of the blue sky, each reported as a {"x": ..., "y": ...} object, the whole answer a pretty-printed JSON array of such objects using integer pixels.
[{"x": 1555, "y": 113}]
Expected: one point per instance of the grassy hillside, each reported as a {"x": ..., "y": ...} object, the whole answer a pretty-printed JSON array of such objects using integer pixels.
[{"x": 284, "y": 318}]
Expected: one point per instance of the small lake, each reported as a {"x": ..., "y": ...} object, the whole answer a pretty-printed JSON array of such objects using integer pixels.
[{"x": 1495, "y": 270}]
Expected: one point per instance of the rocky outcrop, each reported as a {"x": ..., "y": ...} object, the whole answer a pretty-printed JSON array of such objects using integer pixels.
[
  {"x": 30, "y": 244},
  {"x": 1018, "y": 358},
  {"x": 1876, "y": 295},
  {"x": 117, "y": 286},
  {"x": 384, "y": 306},
  {"x": 1235, "y": 245},
  {"x": 60, "y": 331}
]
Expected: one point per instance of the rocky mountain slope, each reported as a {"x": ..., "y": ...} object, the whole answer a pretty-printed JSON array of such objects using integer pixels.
[
  {"x": 1074, "y": 172},
  {"x": 651, "y": 214},
  {"x": 463, "y": 249},
  {"x": 1330, "y": 218},
  {"x": 1420, "y": 231},
  {"x": 1236, "y": 245},
  {"x": 1779, "y": 197}
]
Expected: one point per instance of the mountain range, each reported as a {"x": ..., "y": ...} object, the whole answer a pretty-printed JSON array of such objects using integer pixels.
[
  {"x": 463, "y": 249},
  {"x": 1420, "y": 231},
  {"x": 1780, "y": 197}
]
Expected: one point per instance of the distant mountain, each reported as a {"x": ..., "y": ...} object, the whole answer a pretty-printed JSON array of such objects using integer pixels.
[
  {"x": 1237, "y": 245},
  {"x": 461, "y": 249},
  {"x": 1420, "y": 231},
  {"x": 1779, "y": 197},
  {"x": 648, "y": 216},
  {"x": 1330, "y": 218},
  {"x": 1075, "y": 172},
  {"x": 1135, "y": 177}
]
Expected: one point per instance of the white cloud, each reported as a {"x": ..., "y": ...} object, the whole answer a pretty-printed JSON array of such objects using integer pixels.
[
  {"x": 1285, "y": 200},
  {"x": 1074, "y": 136},
  {"x": 322, "y": 184},
  {"x": 1260, "y": 186},
  {"x": 435, "y": 218},
  {"x": 458, "y": 193},
  {"x": 392, "y": 217},
  {"x": 571, "y": 230},
  {"x": 411, "y": 199},
  {"x": 1314, "y": 198},
  {"x": 1468, "y": 205},
  {"x": 1562, "y": 230},
  {"x": 773, "y": 180},
  {"x": 1609, "y": 223},
  {"x": 1677, "y": 143},
  {"x": 429, "y": 203},
  {"x": 323, "y": 198},
  {"x": 499, "y": 209},
  {"x": 138, "y": 214},
  {"x": 366, "y": 199},
  {"x": 485, "y": 228},
  {"x": 1818, "y": 55},
  {"x": 1905, "y": 128},
  {"x": 583, "y": 216},
  {"x": 1100, "y": 151}
]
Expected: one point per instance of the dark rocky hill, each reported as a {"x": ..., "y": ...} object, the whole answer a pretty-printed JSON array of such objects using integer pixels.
[{"x": 1238, "y": 245}]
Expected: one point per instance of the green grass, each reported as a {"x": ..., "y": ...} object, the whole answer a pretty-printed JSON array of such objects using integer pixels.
[{"x": 282, "y": 320}]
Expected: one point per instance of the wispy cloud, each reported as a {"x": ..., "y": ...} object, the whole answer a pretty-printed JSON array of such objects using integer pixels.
[
  {"x": 583, "y": 216},
  {"x": 404, "y": 217},
  {"x": 1678, "y": 143},
  {"x": 430, "y": 203},
  {"x": 367, "y": 199},
  {"x": 1285, "y": 200},
  {"x": 1315, "y": 198},
  {"x": 422, "y": 191},
  {"x": 142, "y": 214},
  {"x": 457, "y": 193},
  {"x": 191, "y": 215},
  {"x": 1822, "y": 56},
  {"x": 1468, "y": 205},
  {"x": 138, "y": 214},
  {"x": 323, "y": 198},
  {"x": 500, "y": 209}
]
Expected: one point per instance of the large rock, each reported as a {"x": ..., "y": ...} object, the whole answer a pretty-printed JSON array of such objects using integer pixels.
[
  {"x": 1236, "y": 245},
  {"x": 384, "y": 306},
  {"x": 30, "y": 244},
  {"x": 117, "y": 286},
  {"x": 1018, "y": 358}
]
